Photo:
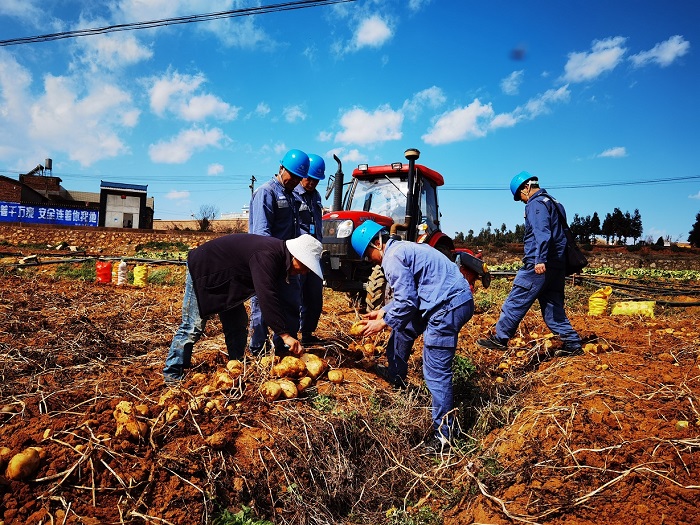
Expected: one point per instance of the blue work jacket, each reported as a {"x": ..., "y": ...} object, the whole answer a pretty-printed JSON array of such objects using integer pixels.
[
  {"x": 310, "y": 211},
  {"x": 423, "y": 281},
  {"x": 544, "y": 234},
  {"x": 273, "y": 212}
]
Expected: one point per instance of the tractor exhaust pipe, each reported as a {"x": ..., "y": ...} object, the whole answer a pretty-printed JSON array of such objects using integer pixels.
[
  {"x": 335, "y": 185},
  {"x": 412, "y": 156}
]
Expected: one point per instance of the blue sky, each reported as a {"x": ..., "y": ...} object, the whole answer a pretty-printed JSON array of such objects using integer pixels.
[{"x": 599, "y": 92}]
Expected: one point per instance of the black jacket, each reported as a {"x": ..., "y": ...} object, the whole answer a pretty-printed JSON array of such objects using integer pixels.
[{"x": 228, "y": 270}]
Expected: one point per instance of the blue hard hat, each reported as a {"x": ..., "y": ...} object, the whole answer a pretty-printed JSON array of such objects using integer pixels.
[
  {"x": 517, "y": 183},
  {"x": 317, "y": 167},
  {"x": 297, "y": 162},
  {"x": 363, "y": 235}
]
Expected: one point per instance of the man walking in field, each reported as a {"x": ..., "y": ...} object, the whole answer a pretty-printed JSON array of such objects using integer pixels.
[{"x": 542, "y": 275}]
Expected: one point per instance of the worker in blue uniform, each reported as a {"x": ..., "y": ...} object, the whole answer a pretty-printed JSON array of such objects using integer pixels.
[
  {"x": 430, "y": 297},
  {"x": 273, "y": 213},
  {"x": 542, "y": 275},
  {"x": 310, "y": 214}
]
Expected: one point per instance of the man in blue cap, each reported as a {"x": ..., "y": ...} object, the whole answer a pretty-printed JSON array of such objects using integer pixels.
[
  {"x": 273, "y": 212},
  {"x": 310, "y": 222},
  {"x": 542, "y": 275},
  {"x": 430, "y": 297}
]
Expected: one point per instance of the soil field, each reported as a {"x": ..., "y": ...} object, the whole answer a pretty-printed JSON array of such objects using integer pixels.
[{"x": 610, "y": 436}]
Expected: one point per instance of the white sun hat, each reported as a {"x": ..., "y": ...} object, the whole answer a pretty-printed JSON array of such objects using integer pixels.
[{"x": 307, "y": 250}]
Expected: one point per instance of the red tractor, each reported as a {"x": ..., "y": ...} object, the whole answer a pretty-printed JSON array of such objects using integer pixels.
[{"x": 402, "y": 197}]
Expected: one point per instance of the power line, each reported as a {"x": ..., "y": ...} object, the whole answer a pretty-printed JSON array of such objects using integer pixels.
[
  {"x": 583, "y": 185},
  {"x": 274, "y": 8}
]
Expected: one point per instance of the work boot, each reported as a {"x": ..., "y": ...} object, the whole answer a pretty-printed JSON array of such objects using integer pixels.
[
  {"x": 395, "y": 381},
  {"x": 311, "y": 340},
  {"x": 437, "y": 446},
  {"x": 493, "y": 343},
  {"x": 568, "y": 351}
]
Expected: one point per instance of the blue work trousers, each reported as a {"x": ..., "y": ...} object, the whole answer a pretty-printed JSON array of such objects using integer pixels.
[
  {"x": 440, "y": 332},
  {"x": 548, "y": 288},
  {"x": 290, "y": 297},
  {"x": 311, "y": 302},
  {"x": 234, "y": 323}
]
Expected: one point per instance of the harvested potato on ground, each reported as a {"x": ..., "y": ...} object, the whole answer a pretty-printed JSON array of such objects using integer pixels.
[
  {"x": 290, "y": 366},
  {"x": 335, "y": 376},
  {"x": 289, "y": 389},
  {"x": 304, "y": 383},
  {"x": 234, "y": 367},
  {"x": 223, "y": 380},
  {"x": 172, "y": 413},
  {"x": 5, "y": 455},
  {"x": 315, "y": 366},
  {"x": 270, "y": 390},
  {"x": 127, "y": 424},
  {"x": 23, "y": 465},
  {"x": 268, "y": 361},
  {"x": 357, "y": 327}
]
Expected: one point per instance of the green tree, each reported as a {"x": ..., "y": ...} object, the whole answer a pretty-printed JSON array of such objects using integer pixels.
[{"x": 694, "y": 233}]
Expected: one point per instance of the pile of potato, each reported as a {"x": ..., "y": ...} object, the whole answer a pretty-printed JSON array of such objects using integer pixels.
[{"x": 292, "y": 375}]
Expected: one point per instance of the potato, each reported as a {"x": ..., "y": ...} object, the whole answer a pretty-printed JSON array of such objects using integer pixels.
[
  {"x": 223, "y": 380},
  {"x": 268, "y": 361},
  {"x": 289, "y": 389},
  {"x": 127, "y": 424},
  {"x": 290, "y": 366},
  {"x": 335, "y": 376},
  {"x": 315, "y": 366},
  {"x": 23, "y": 465},
  {"x": 304, "y": 383},
  {"x": 270, "y": 390},
  {"x": 358, "y": 327},
  {"x": 5, "y": 455},
  {"x": 235, "y": 368}
]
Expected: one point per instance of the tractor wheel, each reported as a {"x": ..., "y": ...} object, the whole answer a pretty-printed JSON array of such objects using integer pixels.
[{"x": 376, "y": 289}]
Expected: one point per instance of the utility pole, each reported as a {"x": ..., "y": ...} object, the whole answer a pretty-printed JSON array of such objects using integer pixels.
[{"x": 252, "y": 184}]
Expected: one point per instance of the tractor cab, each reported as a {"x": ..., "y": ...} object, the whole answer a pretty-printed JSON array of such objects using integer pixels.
[{"x": 400, "y": 196}]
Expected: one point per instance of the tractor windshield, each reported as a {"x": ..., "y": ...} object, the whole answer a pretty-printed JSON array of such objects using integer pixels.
[{"x": 382, "y": 195}]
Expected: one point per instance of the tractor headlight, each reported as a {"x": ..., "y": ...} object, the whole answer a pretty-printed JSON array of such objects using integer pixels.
[{"x": 344, "y": 229}]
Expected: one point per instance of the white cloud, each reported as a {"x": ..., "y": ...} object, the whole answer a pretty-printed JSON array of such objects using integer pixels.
[
  {"x": 663, "y": 53},
  {"x": 25, "y": 10},
  {"x": 111, "y": 51},
  {"x": 181, "y": 147},
  {"x": 604, "y": 56},
  {"x": 83, "y": 122},
  {"x": 460, "y": 124},
  {"x": 511, "y": 84},
  {"x": 215, "y": 169},
  {"x": 293, "y": 114},
  {"x": 477, "y": 119},
  {"x": 361, "y": 127},
  {"x": 432, "y": 97},
  {"x": 541, "y": 105},
  {"x": 175, "y": 195},
  {"x": 170, "y": 86},
  {"x": 616, "y": 152},
  {"x": 240, "y": 32},
  {"x": 262, "y": 109},
  {"x": 175, "y": 93},
  {"x": 200, "y": 107},
  {"x": 417, "y": 5},
  {"x": 372, "y": 32},
  {"x": 696, "y": 196}
]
